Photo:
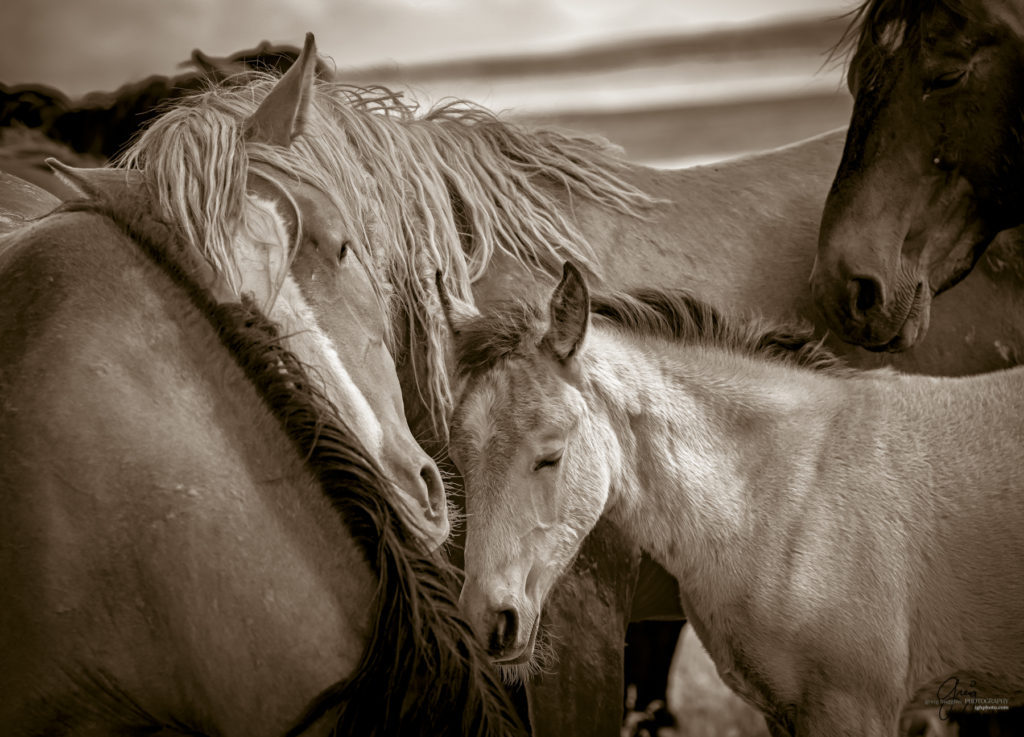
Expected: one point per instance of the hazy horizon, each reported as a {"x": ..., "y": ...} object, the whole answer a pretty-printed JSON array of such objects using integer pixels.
[{"x": 91, "y": 45}]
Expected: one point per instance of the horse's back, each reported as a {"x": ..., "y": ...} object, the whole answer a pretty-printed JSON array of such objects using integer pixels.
[{"x": 131, "y": 531}]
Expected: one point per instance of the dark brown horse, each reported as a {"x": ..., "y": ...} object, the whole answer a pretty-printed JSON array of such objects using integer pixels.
[
  {"x": 932, "y": 167},
  {"x": 102, "y": 123}
]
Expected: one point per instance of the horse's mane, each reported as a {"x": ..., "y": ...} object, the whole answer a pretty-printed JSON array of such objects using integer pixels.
[
  {"x": 34, "y": 147},
  {"x": 441, "y": 190},
  {"x": 676, "y": 314},
  {"x": 518, "y": 326},
  {"x": 33, "y": 106},
  {"x": 420, "y": 644},
  {"x": 865, "y": 37},
  {"x": 102, "y": 123}
]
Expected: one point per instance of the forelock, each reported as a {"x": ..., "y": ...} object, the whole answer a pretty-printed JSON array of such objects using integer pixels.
[
  {"x": 507, "y": 330},
  {"x": 499, "y": 406},
  {"x": 880, "y": 28}
]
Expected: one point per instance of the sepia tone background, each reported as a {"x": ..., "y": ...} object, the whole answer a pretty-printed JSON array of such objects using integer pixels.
[{"x": 673, "y": 82}]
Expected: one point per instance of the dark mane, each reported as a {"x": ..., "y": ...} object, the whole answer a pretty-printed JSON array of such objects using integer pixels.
[
  {"x": 863, "y": 41},
  {"x": 102, "y": 123},
  {"x": 506, "y": 329},
  {"x": 420, "y": 644},
  {"x": 675, "y": 314},
  {"x": 672, "y": 314}
]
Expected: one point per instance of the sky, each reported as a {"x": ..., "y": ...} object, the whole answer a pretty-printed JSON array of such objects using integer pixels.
[{"x": 84, "y": 45}]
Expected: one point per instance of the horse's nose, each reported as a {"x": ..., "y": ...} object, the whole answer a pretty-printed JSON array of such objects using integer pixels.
[
  {"x": 865, "y": 295},
  {"x": 503, "y": 633},
  {"x": 433, "y": 492}
]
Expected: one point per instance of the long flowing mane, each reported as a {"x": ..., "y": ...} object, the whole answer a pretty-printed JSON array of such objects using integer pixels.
[
  {"x": 442, "y": 190},
  {"x": 876, "y": 24},
  {"x": 671, "y": 314},
  {"x": 419, "y": 644}
]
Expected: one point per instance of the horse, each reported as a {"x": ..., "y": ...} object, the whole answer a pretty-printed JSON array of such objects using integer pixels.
[
  {"x": 204, "y": 170},
  {"x": 194, "y": 540},
  {"x": 931, "y": 168},
  {"x": 23, "y": 154},
  {"x": 496, "y": 206},
  {"x": 102, "y": 123},
  {"x": 265, "y": 56},
  {"x": 814, "y": 516},
  {"x": 22, "y": 201}
]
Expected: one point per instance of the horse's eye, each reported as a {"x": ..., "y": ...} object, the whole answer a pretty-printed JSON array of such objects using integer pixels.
[
  {"x": 343, "y": 251},
  {"x": 548, "y": 461},
  {"x": 945, "y": 81}
]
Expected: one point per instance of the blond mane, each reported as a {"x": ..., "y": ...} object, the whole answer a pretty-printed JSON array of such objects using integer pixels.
[{"x": 442, "y": 190}]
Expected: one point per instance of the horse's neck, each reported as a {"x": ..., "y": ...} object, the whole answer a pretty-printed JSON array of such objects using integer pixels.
[
  {"x": 719, "y": 450},
  {"x": 695, "y": 438}
]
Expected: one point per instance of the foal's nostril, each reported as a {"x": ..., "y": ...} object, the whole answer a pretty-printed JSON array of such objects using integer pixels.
[
  {"x": 435, "y": 490},
  {"x": 865, "y": 294},
  {"x": 503, "y": 635}
]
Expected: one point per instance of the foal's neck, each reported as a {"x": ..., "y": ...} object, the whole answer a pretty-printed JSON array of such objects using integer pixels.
[
  {"x": 719, "y": 451},
  {"x": 713, "y": 443}
]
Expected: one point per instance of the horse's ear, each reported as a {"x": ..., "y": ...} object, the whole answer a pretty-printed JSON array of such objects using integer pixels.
[
  {"x": 456, "y": 312},
  {"x": 282, "y": 114},
  {"x": 569, "y": 314},
  {"x": 217, "y": 68},
  {"x": 92, "y": 182},
  {"x": 203, "y": 63}
]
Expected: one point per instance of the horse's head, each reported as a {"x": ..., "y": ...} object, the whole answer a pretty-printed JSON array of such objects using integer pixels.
[
  {"x": 537, "y": 467},
  {"x": 227, "y": 176},
  {"x": 931, "y": 169},
  {"x": 332, "y": 265}
]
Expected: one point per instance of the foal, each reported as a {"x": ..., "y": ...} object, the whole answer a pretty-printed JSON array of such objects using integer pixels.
[{"x": 846, "y": 542}]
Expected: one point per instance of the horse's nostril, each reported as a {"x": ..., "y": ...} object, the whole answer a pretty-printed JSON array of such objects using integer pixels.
[
  {"x": 504, "y": 633},
  {"x": 865, "y": 294},
  {"x": 435, "y": 490}
]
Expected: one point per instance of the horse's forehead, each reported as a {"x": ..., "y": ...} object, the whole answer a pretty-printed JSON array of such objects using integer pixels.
[
  {"x": 477, "y": 413},
  {"x": 322, "y": 219},
  {"x": 891, "y": 35},
  {"x": 508, "y": 403},
  {"x": 320, "y": 214}
]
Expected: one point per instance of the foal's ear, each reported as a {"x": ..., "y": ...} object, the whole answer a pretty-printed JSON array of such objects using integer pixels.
[
  {"x": 569, "y": 314},
  {"x": 456, "y": 311},
  {"x": 94, "y": 181},
  {"x": 282, "y": 114}
]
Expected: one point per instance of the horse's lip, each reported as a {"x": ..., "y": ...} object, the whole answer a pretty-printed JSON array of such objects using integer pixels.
[
  {"x": 527, "y": 653},
  {"x": 899, "y": 341}
]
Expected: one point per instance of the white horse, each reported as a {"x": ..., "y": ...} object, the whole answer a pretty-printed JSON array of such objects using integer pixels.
[{"x": 846, "y": 542}]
